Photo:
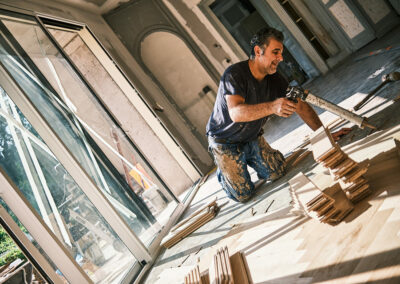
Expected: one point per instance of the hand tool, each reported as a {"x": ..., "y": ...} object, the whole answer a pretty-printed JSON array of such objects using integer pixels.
[
  {"x": 391, "y": 77},
  {"x": 295, "y": 92}
]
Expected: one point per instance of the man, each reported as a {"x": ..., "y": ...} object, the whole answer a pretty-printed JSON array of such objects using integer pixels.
[{"x": 248, "y": 93}]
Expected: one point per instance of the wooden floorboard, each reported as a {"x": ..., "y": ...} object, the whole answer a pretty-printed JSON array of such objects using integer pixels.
[{"x": 364, "y": 247}]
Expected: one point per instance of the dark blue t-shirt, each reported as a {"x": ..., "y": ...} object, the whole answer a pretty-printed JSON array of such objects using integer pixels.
[{"x": 238, "y": 80}]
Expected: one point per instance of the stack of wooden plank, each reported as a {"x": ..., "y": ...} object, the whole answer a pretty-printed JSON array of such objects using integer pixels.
[
  {"x": 221, "y": 270},
  {"x": 190, "y": 224},
  {"x": 308, "y": 198},
  {"x": 349, "y": 173},
  {"x": 224, "y": 269},
  {"x": 329, "y": 205}
]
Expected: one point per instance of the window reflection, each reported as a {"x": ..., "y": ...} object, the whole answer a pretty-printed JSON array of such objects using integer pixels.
[
  {"x": 59, "y": 200},
  {"x": 87, "y": 131}
]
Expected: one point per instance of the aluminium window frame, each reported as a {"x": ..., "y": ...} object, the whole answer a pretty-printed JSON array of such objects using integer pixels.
[
  {"x": 65, "y": 157},
  {"x": 40, "y": 232}
]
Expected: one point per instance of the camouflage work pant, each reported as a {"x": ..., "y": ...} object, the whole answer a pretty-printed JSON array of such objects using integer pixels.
[{"x": 232, "y": 161}]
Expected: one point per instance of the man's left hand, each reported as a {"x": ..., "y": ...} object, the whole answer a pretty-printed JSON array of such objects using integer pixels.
[{"x": 338, "y": 134}]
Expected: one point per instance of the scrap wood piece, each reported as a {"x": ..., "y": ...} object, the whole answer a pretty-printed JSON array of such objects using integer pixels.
[
  {"x": 303, "y": 191},
  {"x": 323, "y": 209},
  {"x": 294, "y": 155},
  {"x": 361, "y": 182},
  {"x": 213, "y": 202},
  {"x": 345, "y": 170},
  {"x": 190, "y": 226},
  {"x": 361, "y": 169},
  {"x": 301, "y": 157},
  {"x": 322, "y": 144},
  {"x": 334, "y": 159},
  {"x": 359, "y": 193},
  {"x": 341, "y": 203},
  {"x": 321, "y": 202},
  {"x": 329, "y": 205}
]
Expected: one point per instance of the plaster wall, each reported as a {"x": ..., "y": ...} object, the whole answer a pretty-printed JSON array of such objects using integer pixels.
[{"x": 176, "y": 176}]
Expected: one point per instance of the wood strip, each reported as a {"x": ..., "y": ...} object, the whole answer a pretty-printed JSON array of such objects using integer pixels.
[
  {"x": 326, "y": 155},
  {"x": 229, "y": 266},
  {"x": 329, "y": 214},
  {"x": 322, "y": 144},
  {"x": 211, "y": 271},
  {"x": 301, "y": 157},
  {"x": 346, "y": 170},
  {"x": 319, "y": 198},
  {"x": 216, "y": 269},
  {"x": 319, "y": 204},
  {"x": 294, "y": 155},
  {"x": 355, "y": 195},
  {"x": 194, "y": 225},
  {"x": 214, "y": 202},
  {"x": 334, "y": 159},
  {"x": 324, "y": 209},
  {"x": 198, "y": 277},
  {"x": 239, "y": 269},
  {"x": 354, "y": 188},
  {"x": 343, "y": 165}
]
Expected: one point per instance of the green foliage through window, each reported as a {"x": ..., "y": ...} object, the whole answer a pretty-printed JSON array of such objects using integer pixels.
[{"x": 9, "y": 251}]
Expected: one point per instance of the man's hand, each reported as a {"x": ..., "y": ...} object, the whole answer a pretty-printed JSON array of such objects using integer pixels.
[
  {"x": 284, "y": 107},
  {"x": 338, "y": 134}
]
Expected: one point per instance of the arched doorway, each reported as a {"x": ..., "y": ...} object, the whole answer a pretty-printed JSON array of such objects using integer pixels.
[{"x": 183, "y": 78}]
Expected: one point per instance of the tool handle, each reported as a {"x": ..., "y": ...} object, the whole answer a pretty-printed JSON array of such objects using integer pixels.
[
  {"x": 344, "y": 113},
  {"x": 367, "y": 97}
]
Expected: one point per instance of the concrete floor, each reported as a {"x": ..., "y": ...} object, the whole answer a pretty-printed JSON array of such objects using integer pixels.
[{"x": 346, "y": 84}]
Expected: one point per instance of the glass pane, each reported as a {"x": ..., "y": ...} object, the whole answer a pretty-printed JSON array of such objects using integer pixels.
[
  {"x": 14, "y": 266},
  {"x": 61, "y": 202},
  {"x": 92, "y": 136},
  {"x": 13, "y": 261}
]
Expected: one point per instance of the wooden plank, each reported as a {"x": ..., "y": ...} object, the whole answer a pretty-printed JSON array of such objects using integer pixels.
[
  {"x": 335, "y": 158},
  {"x": 293, "y": 155},
  {"x": 304, "y": 189},
  {"x": 357, "y": 172},
  {"x": 213, "y": 202},
  {"x": 342, "y": 172},
  {"x": 239, "y": 269},
  {"x": 190, "y": 227},
  {"x": 322, "y": 144},
  {"x": 301, "y": 157},
  {"x": 229, "y": 266}
]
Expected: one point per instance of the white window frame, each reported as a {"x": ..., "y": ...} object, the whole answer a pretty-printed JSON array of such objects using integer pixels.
[
  {"x": 64, "y": 156},
  {"x": 41, "y": 233}
]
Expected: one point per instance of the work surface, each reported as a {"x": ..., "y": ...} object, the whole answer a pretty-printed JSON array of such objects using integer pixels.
[{"x": 283, "y": 248}]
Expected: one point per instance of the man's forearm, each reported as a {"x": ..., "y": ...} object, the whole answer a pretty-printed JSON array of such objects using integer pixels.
[
  {"x": 308, "y": 115},
  {"x": 246, "y": 112}
]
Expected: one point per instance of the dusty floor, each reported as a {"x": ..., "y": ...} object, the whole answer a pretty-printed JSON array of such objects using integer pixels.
[{"x": 346, "y": 84}]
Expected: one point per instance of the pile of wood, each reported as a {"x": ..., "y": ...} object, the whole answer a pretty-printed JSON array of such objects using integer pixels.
[
  {"x": 329, "y": 205},
  {"x": 190, "y": 224},
  {"x": 221, "y": 270},
  {"x": 349, "y": 173},
  {"x": 224, "y": 269}
]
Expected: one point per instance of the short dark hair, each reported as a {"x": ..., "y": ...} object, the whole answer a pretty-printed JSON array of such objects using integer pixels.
[{"x": 262, "y": 37}]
